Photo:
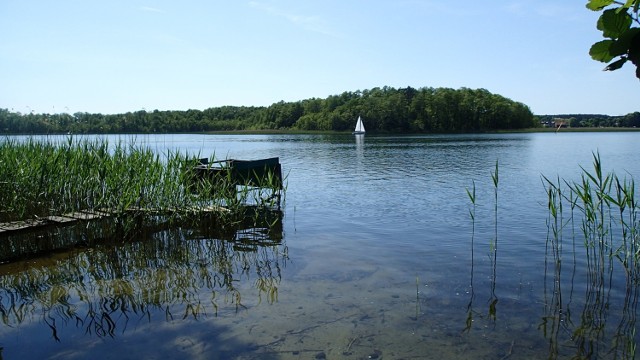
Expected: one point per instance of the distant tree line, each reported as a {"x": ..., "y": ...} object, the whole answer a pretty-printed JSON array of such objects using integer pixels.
[
  {"x": 384, "y": 110},
  {"x": 592, "y": 120}
]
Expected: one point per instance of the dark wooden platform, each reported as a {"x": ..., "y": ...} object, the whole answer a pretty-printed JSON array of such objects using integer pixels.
[{"x": 259, "y": 173}]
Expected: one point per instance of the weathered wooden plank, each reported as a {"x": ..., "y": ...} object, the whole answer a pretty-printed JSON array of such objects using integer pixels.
[
  {"x": 67, "y": 219},
  {"x": 208, "y": 208},
  {"x": 21, "y": 225},
  {"x": 84, "y": 215},
  {"x": 61, "y": 219}
]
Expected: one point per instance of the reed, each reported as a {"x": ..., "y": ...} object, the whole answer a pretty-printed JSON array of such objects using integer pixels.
[
  {"x": 41, "y": 178},
  {"x": 605, "y": 207},
  {"x": 472, "y": 214},
  {"x": 493, "y": 251},
  {"x": 493, "y": 301},
  {"x": 554, "y": 317},
  {"x": 608, "y": 211},
  {"x": 199, "y": 233}
]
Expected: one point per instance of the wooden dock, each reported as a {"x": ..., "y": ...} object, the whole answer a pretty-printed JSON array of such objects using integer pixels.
[
  {"x": 72, "y": 218},
  {"x": 250, "y": 229},
  {"x": 67, "y": 219},
  {"x": 259, "y": 173}
]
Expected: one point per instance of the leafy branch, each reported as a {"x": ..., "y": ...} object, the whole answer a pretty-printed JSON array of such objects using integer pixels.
[{"x": 622, "y": 41}]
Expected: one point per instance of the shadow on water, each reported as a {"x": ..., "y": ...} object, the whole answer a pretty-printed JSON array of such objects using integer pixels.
[{"x": 169, "y": 280}]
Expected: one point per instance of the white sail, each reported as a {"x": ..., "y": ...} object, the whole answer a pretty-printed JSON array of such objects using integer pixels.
[{"x": 359, "y": 127}]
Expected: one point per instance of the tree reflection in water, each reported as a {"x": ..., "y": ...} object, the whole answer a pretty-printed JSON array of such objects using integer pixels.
[{"x": 181, "y": 271}]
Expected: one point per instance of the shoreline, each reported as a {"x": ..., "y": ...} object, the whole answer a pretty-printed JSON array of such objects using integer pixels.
[
  {"x": 349, "y": 132},
  {"x": 528, "y": 130}
]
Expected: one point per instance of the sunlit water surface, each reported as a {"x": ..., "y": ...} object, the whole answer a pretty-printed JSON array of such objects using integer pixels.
[{"x": 378, "y": 258}]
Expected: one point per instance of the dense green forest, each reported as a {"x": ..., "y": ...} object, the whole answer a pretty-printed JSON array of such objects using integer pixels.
[
  {"x": 384, "y": 110},
  {"x": 594, "y": 120}
]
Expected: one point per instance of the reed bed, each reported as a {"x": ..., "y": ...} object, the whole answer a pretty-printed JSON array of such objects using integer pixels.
[
  {"x": 607, "y": 211},
  {"x": 41, "y": 178},
  {"x": 198, "y": 233},
  {"x": 601, "y": 212},
  {"x": 592, "y": 265}
]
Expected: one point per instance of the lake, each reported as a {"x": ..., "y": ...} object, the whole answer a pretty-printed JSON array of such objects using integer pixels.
[{"x": 377, "y": 257}]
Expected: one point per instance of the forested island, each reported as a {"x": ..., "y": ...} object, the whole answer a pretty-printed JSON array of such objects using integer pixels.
[{"x": 384, "y": 110}]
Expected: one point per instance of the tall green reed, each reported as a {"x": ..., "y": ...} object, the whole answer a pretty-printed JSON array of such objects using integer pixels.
[
  {"x": 41, "y": 178},
  {"x": 493, "y": 301},
  {"x": 608, "y": 212},
  {"x": 472, "y": 215},
  {"x": 493, "y": 249},
  {"x": 606, "y": 209}
]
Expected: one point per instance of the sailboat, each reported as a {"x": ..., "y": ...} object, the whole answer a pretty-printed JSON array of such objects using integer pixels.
[{"x": 359, "y": 127}]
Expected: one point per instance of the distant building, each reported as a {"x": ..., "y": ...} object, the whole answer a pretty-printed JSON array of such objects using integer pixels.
[{"x": 555, "y": 123}]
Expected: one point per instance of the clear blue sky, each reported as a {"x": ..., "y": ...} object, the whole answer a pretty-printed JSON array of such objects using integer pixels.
[{"x": 126, "y": 55}]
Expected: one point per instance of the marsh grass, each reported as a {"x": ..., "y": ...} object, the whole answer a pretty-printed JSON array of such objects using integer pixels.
[
  {"x": 592, "y": 227},
  {"x": 188, "y": 234},
  {"x": 133, "y": 184},
  {"x": 44, "y": 178},
  {"x": 604, "y": 209},
  {"x": 608, "y": 213},
  {"x": 592, "y": 244}
]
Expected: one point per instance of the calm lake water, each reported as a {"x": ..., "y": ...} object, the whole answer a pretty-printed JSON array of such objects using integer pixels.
[{"x": 377, "y": 257}]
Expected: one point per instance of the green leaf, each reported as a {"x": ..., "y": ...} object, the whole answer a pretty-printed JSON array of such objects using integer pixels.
[
  {"x": 597, "y": 5},
  {"x": 613, "y": 24},
  {"x": 618, "y": 48},
  {"x": 616, "y": 64},
  {"x": 634, "y": 49},
  {"x": 627, "y": 5},
  {"x": 629, "y": 36},
  {"x": 624, "y": 44},
  {"x": 600, "y": 51}
]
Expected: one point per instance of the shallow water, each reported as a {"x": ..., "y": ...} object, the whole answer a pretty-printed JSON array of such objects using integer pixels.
[{"x": 374, "y": 260}]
